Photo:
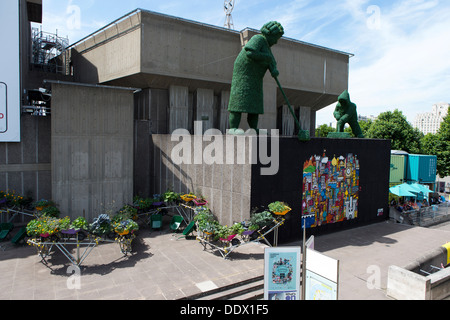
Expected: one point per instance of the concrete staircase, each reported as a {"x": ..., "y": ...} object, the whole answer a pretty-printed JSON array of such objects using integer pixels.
[{"x": 251, "y": 289}]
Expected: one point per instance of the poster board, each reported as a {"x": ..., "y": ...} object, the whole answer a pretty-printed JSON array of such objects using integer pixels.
[
  {"x": 10, "y": 72},
  {"x": 282, "y": 273},
  {"x": 322, "y": 276}
]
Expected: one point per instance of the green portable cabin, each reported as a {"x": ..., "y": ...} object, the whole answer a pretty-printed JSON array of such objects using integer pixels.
[{"x": 399, "y": 163}]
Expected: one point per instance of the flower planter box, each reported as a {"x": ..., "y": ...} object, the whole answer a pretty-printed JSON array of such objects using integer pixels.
[
  {"x": 229, "y": 238},
  {"x": 69, "y": 231},
  {"x": 284, "y": 212},
  {"x": 158, "y": 204},
  {"x": 187, "y": 198},
  {"x": 248, "y": 232},
  {"x": 200, "y": 202},
  {"x": 207, "y": 235}
]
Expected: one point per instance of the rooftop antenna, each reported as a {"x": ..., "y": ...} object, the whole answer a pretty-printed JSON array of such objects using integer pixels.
[{"x": 228, "y": 7}]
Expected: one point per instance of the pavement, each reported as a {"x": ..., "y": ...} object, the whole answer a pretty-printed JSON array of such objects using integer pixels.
[
  {"x": 366, "y": 253},
  {"x": 166, "y": 266}
]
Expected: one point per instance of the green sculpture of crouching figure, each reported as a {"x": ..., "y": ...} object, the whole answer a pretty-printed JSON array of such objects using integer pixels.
[
  {"x": 344, "y": 113},
  {"x": 250, "y": 67}
]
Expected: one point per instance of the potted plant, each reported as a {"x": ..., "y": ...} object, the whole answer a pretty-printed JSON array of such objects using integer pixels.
[
  {"x": 171, "y": 197},
  {"x": 279, "y": 208},
  {"x": 41, "y": 204},
  {"x": 34, "y": 228},
  {"x": 188, "y": 197},
  {"x": 225, "y": 233},
  {"x": 209, "y": 229},
  {"x": 126, "y": 212},
  {"x": 158, "y": 200},
  {"x": 251, "y": 228},
  {"x": 12, "y": 200},
  {"x": 101, "y": 225},
  {"x": 66, "y": 226},
  {"x": 205, "y": 221},
  {"x": 125, "y": 227},
  {"x": 261, "y": 219},
  {"x": 144, "y": 204},
  {"x": 79, "y": 223},
  {"x": 237, "y": 228},
  {"x": 200, "y": 201},
  {"x": 203, "y": 213},
  {"x": 50, "y": 211},
  {"x": 44, "y": 227}
]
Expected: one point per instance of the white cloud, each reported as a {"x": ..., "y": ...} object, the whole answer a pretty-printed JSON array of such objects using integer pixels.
[
  {"x": 411, "y": 72},
  {"x": 402, "y": 65}
]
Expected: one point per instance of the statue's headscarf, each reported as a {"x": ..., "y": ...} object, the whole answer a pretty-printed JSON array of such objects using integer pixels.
[{"x": 272, "y": 28}]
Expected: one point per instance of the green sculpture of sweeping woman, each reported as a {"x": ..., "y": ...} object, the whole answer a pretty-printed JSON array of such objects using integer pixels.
[{"x": 249, "y": 69}]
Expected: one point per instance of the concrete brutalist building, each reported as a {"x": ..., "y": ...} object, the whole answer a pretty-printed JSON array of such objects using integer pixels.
[{"x": 137, "y": 79}]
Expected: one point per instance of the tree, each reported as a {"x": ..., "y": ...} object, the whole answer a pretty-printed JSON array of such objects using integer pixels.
[
  {"x": 365, "y": 126},
  {"x": 395, "y": 127},
  {"x": 443, "y": 147},
  {"x": 324, "y": 130},
  {"x": 433, "y": 144}
]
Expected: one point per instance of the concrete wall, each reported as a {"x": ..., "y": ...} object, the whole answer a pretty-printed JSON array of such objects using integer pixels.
[
  {"x": 406, "y": 285},
  {"x": 227, "y": 187},
  {"x": 110, "y": 54},
  {"x": 153, "y": 105},
  {"x": 187, "y": 50},
  {"x": 151, "y": 50},
  {"x": 92, "y": 149},
  {"x": 25, "y": 166},
  {"x": 411, "y": 283},
  {"x": 177, "y": 108}
]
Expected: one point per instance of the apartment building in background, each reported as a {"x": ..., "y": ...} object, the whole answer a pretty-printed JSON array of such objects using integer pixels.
[{"x": 430, "y": 122}]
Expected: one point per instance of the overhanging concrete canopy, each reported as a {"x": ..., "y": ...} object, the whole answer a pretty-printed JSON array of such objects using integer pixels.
[{"x": 146, "y": 49}]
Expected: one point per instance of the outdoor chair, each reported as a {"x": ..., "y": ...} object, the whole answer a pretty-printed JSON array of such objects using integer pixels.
[
  {"x": 5, "y": 229},
  {"x": 176, "y": 222},
  {"x": 156, "y": 221},
  {"x": 188, "y": 229},
  {"x": 19, "y": 236}
]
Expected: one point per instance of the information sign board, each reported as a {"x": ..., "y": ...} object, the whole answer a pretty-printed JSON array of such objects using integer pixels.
[
  {"x": 282, "y": 273},
  {"x": 322, "y": 276},
  {"x": 10, "y": 72}
]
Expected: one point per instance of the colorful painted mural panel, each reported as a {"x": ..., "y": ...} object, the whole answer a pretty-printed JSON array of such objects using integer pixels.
[{"x": 330, "y": 189}]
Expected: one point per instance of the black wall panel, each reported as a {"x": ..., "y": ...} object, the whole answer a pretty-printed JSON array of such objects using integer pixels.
[{"x": 287, "y": 184}]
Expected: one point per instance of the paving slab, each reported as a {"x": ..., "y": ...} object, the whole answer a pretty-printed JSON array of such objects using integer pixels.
[
  {"x": 164, "y": 266},
  {"x": 366, "y": 253}
]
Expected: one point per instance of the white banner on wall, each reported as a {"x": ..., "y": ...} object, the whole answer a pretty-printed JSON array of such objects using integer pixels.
[{"x": 9, "y": 72}]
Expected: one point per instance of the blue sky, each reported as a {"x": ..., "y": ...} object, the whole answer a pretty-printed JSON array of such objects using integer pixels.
[{"x": 401, "y": 48}]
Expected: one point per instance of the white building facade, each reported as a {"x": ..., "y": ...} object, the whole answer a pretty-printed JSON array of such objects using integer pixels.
[{"x": 430, "y": 122}]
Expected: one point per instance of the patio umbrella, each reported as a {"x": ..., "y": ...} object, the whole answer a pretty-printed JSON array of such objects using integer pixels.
[
  {"x": 421, "y": 188},
  {"x": 401, "y": 191}
]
